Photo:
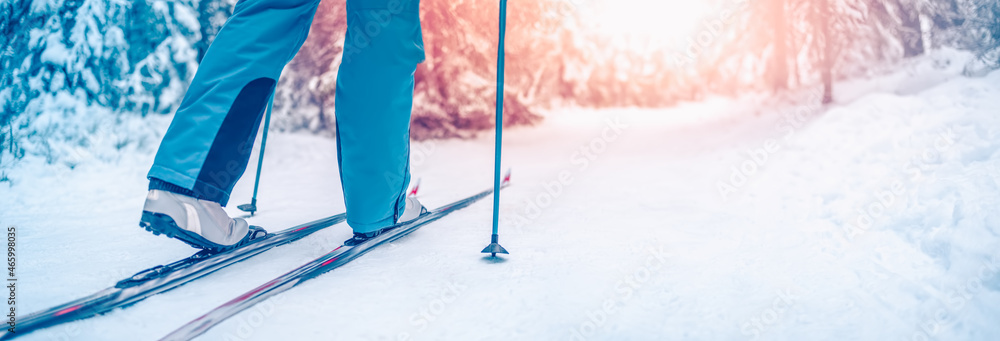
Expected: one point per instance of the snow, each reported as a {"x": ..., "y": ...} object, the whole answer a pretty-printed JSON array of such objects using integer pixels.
[
  {"x": 910, "y": 76},
  {"x": 55, "y": 51},
  {"x": 873, "y": 219},
  {"x": 45, "y": 6}
]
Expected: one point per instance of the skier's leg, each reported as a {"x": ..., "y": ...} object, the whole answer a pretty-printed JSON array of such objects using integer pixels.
[
  {"x": 206, "y": 148},
  {"x": 373, "y": 101},
  {"x": 208, "y": 144}
]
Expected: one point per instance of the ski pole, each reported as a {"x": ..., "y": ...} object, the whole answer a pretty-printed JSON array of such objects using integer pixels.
[
  {"x": 494, "y": 248},
  {"x": 252, "y": 206}
]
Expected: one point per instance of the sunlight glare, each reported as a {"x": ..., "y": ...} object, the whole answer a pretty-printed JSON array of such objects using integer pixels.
[{"x": 658, "y": 21}]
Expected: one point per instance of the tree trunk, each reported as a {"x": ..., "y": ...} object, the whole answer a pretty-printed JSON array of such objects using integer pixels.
[
  {"x": 910, "y": 34},
  {"x": 795, "y": 80},
  {"x": 826, "y": 65},
  {"x": 779, "y": 60},
  {"x": 204, "y": 22}
]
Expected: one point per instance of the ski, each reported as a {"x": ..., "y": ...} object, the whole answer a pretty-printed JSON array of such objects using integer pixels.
[
  {"x": 161, "y": 278},
  {"x": 332, "y": 260}
]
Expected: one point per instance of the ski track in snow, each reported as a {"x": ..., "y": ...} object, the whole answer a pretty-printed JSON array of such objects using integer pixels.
[{"x": 636, "y": 244}]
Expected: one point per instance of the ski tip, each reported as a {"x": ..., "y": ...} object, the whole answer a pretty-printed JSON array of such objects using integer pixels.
[
  {"x": 506, "y": 177},
  {"x": 416, "y": 187}
]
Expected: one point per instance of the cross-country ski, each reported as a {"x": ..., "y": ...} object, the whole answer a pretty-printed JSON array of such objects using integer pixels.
[
  {"x": 161, "y": 278},
  {"x": 332, "y": 260}
]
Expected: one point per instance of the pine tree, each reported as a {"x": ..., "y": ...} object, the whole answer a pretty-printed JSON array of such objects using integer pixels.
[{"x": 67, "y": 62}]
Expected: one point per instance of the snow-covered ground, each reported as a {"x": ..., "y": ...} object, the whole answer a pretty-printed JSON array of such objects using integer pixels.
[{"x": 873, "y": 219}]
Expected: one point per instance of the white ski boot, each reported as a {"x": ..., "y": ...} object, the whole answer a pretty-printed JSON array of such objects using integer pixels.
[{"x": 202, "y": 224}]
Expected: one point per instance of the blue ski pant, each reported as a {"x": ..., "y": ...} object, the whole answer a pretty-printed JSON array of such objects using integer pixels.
[{"x": 207, "y": 146}]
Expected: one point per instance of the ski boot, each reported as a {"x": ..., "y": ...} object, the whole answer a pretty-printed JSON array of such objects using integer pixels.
[
  {"x": 413, "y": 210},
  {"x": 200, "y": 223}
]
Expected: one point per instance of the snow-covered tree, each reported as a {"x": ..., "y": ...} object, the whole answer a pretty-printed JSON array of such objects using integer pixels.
[{"x": 75, "y": 70}]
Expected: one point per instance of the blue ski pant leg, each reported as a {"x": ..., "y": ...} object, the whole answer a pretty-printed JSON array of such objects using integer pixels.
[
  {"x": 209, "y": 141},
  {"x": 373, "y": 101}
]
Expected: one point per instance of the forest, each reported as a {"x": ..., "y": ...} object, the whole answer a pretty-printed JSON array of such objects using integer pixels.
[{"x": 128, "y": 60}]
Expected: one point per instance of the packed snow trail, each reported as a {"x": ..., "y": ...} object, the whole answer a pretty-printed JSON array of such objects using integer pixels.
[{"x": 870, "y": 219}]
